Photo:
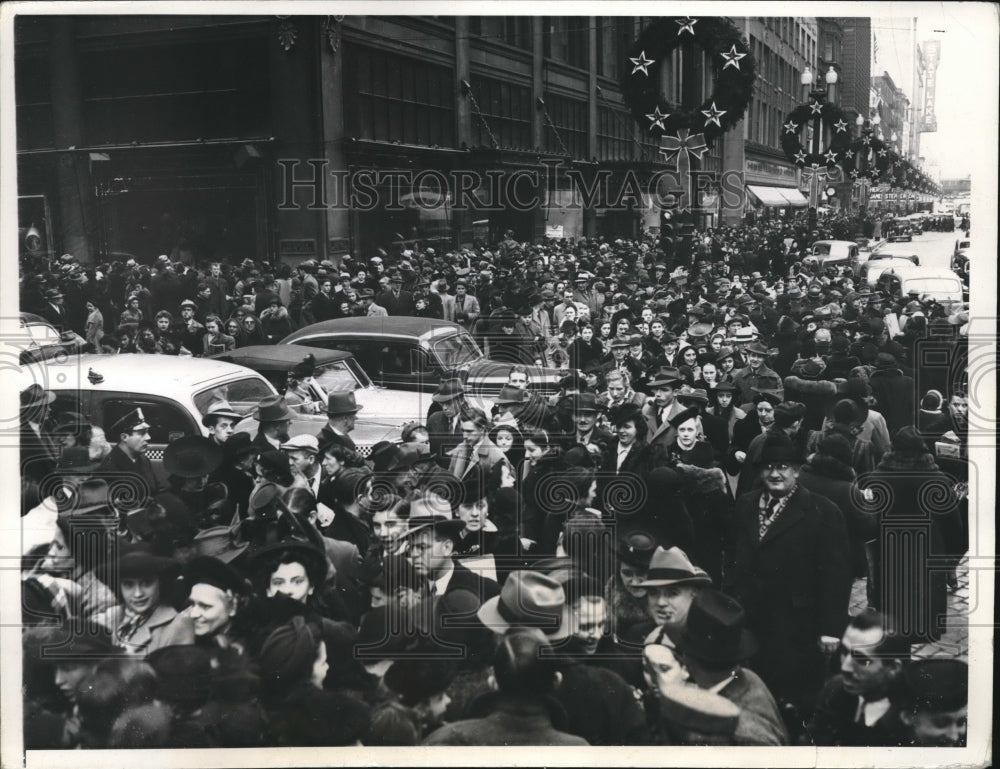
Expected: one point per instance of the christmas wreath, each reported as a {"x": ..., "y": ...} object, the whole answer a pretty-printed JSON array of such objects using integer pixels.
[
  {"x": 872, "y": 168},
  {"x": 733, "y": 75},
  {"x": 830, "y": 116}
]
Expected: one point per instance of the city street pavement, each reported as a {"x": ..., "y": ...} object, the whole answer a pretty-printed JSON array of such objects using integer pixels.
[
  {"x": 933, "y": 248},
  {"x": 955, "y": 641}
]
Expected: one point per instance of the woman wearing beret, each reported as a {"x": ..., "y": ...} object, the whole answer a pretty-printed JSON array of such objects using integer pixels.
[
  {"x": 145, "y": 621},
  {"x": 216, "y": 594}
]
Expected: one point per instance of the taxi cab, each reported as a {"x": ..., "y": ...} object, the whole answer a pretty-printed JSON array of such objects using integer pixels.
[{"x": 173, "y": 393}]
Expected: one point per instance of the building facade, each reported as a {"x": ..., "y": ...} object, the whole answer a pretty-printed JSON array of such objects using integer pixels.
[
  {"x": 782, "y": 47},
  {"x": 210, "y": 137}
]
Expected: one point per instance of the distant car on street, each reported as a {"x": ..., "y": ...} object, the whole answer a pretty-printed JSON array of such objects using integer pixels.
[
  {"x": 836, "y": 253},
  {"x": 898, "y": 230},
  {"x": 884, "y": 259}
]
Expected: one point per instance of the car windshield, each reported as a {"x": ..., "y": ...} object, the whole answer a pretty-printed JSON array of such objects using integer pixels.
[
  {"x": 341, "y": 375},
  {"x": 41, "y": 334},
  {"x": 242, "y": 394},
  {"x": 456, "y": 350},
  {"x": 821, "y": 249}
]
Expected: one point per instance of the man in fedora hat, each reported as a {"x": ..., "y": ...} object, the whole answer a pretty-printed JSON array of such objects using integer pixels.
[
  {"x": 221, "y": 420},
  {"x": 372, "y": 308},
  {"x": 430, "y": 548},
  {"x": 789, "y": 566},
  {"x": 714, "y": 644},
  {"x": 274, "y": 418},
  {"x": 749, "y": 377},
  {"x": 443, "y": 426},
  {"x": 341, "y": 411},
  {"x": 128, "y": 456},
  {"x": 395, "y": 300},
  {"x": 586, "y": 407},
  {"x": 658, "y": 412}
]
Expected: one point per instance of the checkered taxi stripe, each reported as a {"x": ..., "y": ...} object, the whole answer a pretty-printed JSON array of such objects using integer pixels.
[{"x": 156, "y": 455}]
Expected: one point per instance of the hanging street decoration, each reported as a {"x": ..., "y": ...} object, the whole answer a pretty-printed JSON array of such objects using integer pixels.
[
  {"x": 733, "y": 76},
  {"x": 641, "y": 63},
  {"x": 867, "y": 156},
  {"x": 818, "y": 116},
  {"x": 686, "y": 25},
  {"x": 657, "y": 118},
  {"x": 732, "y": 57},
  {"x": 713, "y": 114},
  {"x": 679, "y": 149}
]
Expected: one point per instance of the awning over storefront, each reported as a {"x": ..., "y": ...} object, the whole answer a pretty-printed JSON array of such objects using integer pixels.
[
  {"x": 777, "y": 196},
  {"x": 793, "y": 196}
]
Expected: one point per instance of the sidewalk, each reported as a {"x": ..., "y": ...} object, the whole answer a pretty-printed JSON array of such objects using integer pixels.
[{"x": 955, "y": 641}]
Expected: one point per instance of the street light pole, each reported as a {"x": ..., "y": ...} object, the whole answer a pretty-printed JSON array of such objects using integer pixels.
[{"x": 817, "y": 96}]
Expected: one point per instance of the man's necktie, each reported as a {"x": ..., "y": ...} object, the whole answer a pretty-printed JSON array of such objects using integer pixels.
[{"x": 768, "y": 519}]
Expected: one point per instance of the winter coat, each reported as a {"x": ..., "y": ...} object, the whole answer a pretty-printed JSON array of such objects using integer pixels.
[
  {"x": 818, "y": 396},
  {"x": 512, "y": 722},
  {"x": 707, "y": 498},
  {"x": 827, "y": 477},
  {"x": 894, "y": 397},
  {"x": 913, "y": 496},
  {"x": 795, "y": 586}
]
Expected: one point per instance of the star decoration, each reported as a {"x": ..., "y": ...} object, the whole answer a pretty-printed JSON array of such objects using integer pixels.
[
  {"x": 898, "y": 163},
  {"x": 800, "y": 157},
  {"x": 854, "y": 174},
  {"x": 840, "y": 125},
  {"x": 867, "y": 140},
  {"x": 831, "y": 156},
  {"x": 686, "y": 25},
  {"x": 642, "y": 63},
  {"x": 732, "y": 57},
  {"x": 791, "y": 127},
  {"x": 883, "y": 152},
  {"x": 657, "y": 119},
  {"x": 849, "y": 154},
  {"x": 816, "y": 107},
  {"x": 712, "y": 115}
]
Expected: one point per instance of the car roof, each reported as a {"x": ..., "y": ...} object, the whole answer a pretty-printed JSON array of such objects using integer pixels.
[
  {"x": 912, "y": 271},
  {"x": 278, "y": 357},
  {"x": 30, "y": 317},
  {"x": 140, "y": 372},
  {"x": 399, "y": 326},
  {"x": 837, "y": 242}
]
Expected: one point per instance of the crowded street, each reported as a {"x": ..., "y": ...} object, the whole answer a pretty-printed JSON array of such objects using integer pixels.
[{"x": 664, "y": 464}]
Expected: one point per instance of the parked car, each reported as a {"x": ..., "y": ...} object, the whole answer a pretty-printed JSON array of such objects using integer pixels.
[
  {"x": 414, "y": 354},
  {"x": 41, "y": 340},
  {"x": 899, "y": 229},
  {"x": 173, "y": 392},
  {"x": 884, "y": 259},
  {"x": 943, "y": 286},
  {"x": 836, "y": 253},
  {"x": 383, "y": 412},
  {"x": 960, "y": 262},
  {"x": 962, "y": 244}
]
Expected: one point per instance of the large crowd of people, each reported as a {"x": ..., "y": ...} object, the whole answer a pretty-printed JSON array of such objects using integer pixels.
[{"x": 661, "y": 552}]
